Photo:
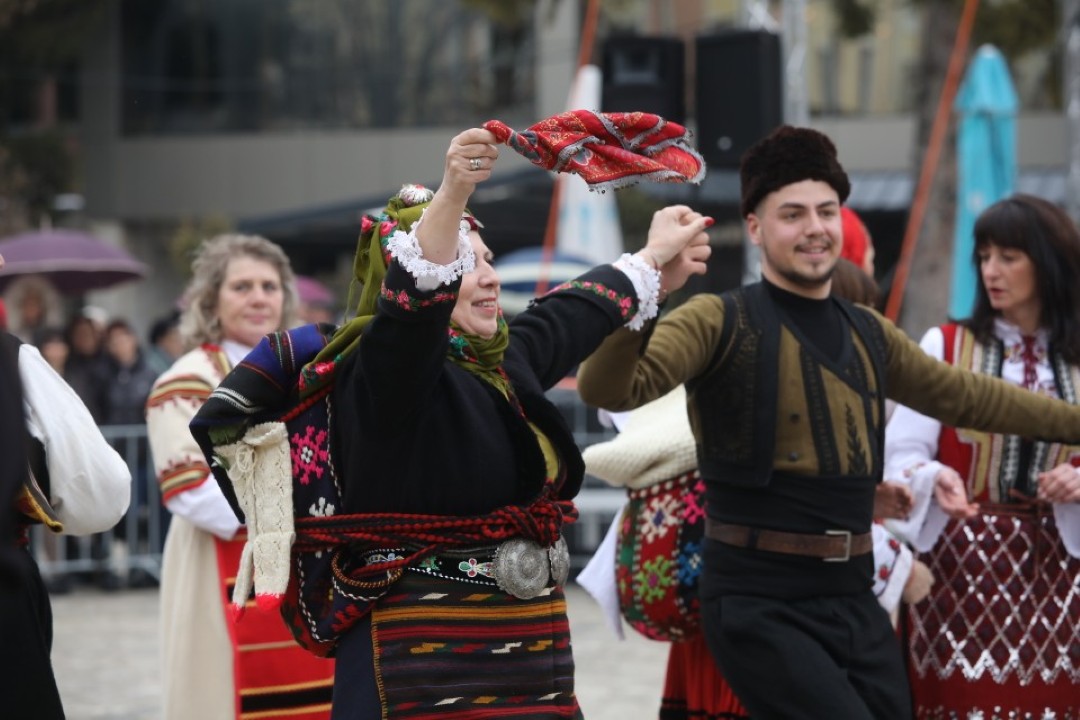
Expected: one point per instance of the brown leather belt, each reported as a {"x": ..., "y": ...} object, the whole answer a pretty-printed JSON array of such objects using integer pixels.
[{"x": 832, "y": 546}]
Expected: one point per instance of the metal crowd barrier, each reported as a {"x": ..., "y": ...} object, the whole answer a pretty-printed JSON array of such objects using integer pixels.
[{"x": 130, "y": 553}]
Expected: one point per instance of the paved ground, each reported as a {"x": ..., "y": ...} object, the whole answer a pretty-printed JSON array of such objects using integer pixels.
[{"x": 106, "y": 645}]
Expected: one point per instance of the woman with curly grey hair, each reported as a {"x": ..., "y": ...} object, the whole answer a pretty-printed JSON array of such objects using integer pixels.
[
  {"x": 242, "y": 288},
  {"x": 201, "y": 322}
]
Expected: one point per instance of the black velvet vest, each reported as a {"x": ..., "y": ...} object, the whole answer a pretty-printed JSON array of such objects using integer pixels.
[{"x": 735, "y": 399}]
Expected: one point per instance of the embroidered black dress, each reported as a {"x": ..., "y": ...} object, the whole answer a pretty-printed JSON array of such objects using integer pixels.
[{"x": 412, "y": 432}]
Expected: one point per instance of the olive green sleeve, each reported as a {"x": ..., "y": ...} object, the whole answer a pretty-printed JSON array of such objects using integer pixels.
[
  {"x": 964, "y": 399},
  {"x": 632, "y": 368}
]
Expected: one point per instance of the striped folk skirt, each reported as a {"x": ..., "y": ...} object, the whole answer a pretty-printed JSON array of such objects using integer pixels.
[{"x": 443, "y": 648}]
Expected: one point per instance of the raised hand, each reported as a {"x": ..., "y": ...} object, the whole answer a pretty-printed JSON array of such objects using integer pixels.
[
  {"x": 691, "y": 261},
  {"x": 1060, "y": 485},
  {"x": 677, "y": 245},
  {"x": 951, "y": 495},
  {"x": 469, "y": 161}
]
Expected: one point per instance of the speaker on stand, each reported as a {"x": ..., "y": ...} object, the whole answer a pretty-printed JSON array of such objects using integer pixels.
[
  {"x": 738, "y": 93},
  {"x": 644, "y": 74}
]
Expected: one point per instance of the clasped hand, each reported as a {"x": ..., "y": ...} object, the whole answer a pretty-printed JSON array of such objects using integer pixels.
[
  {"x": 893, "y": 500},
  {"x": 1060, "y": 485},
  {"x": 951, "y": 495},
  {"x": 678, "y": 245}
]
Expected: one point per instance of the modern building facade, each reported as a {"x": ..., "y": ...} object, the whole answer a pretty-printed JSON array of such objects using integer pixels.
[{"x": 290, "y": 118}]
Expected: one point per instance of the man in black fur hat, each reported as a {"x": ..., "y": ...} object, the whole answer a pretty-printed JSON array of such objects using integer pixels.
[{"x": 786, "y": 389}]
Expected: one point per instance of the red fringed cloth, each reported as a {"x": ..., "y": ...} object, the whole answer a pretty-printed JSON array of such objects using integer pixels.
[{"x": 608, "y": 150}]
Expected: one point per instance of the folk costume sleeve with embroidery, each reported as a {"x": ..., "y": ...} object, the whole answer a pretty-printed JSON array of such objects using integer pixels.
[
  {"x": 402, "y": 352},
  {"x": 564, "y": 326},
  {"x": 179, "y": 463},
  {"x": 408, "y": 337},
  {"x": 90, "y": 484},
  {"x": 892, "y": 567}
]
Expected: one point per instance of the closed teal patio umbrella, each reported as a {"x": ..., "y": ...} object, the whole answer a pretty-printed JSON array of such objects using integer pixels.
[{"x": 985, "y": 159}]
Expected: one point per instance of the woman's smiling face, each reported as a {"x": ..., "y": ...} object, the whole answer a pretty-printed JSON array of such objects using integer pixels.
[{"x": 477, "y": 308}]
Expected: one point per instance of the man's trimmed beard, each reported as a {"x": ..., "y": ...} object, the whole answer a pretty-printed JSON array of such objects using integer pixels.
[{"x": 797, "y": 278}]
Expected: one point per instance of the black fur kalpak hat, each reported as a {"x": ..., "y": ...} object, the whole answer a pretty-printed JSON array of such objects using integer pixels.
[{"x": 789, "y": 155}]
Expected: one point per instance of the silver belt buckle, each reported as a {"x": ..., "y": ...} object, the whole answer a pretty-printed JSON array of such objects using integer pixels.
[
  {"x": 846, "y": 534},
  {"x": 524, "y": 569}
]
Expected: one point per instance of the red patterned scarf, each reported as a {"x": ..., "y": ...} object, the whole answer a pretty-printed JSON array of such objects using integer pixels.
[{"x": 608, "y": 150}]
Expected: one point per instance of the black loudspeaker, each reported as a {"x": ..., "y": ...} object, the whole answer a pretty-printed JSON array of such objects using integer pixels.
[
  {"x": 739, "y": 100},
  {"x": 646, "y": 74}
]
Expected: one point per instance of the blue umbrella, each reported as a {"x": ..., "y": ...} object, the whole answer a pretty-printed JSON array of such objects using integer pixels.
[{"x": 985, "y": 159}]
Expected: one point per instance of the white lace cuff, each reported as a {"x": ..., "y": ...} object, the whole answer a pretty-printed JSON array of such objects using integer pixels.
[
  {"x": 405, "y": 248},
  {"x": 646, "y": 280}
]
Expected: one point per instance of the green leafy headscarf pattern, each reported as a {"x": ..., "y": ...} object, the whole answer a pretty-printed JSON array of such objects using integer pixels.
[{"x": 481, "y": 356}]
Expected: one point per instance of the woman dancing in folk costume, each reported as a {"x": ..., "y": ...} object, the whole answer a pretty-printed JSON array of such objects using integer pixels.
[
  {"x": 241, "y": 289},
  {"x": 444, "y": 473},
  {"x": 997, "y": 517}
]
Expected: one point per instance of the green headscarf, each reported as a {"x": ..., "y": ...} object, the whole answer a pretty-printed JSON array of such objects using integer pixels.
[{"x": 480, "y": 356}]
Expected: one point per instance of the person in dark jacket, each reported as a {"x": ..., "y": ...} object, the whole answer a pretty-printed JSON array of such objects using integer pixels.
[{"x": 129, "y": 376}]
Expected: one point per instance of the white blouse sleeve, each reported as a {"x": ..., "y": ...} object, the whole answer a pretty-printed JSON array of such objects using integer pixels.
[
  {"x": 205, "y": 507},
  {"x": 598, "y": 578},
  {"x": 89, "y": 483},
  {"x": 911, "y": 446},
  {"x": 1067, "y": 517},
  {"x": 892, "y": 567}
]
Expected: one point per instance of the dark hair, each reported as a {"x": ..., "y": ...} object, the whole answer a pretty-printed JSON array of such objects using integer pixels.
[
  {"x": 50, "y": 334},
  {"x": 75, "y": 322},
  {"x": 162, "y": 326},
  {"x": 1047, "y": 235},
  {"x": 849, "y": 281},
  {"x": 118, "y": 324}
]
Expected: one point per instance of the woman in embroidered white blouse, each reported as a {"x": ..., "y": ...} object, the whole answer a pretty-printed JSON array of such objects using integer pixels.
[
  {"x": 242, "y": 287},
  {"x": 998, "y": 517}
]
